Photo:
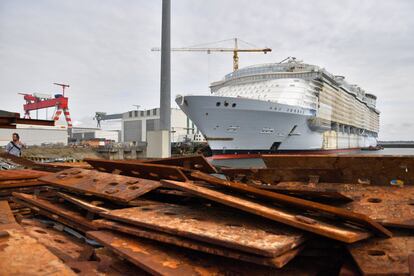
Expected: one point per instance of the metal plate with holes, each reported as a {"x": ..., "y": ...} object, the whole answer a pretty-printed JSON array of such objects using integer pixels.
[
  {"x": 159, "y": 259},
  {"x": 383, "y": 256},
  {"x": 208, "y": 224},
  {"x": 113, "y": 187},
  {"x": 57, "y": 209},
  {"x": 390, "y": 206},
  {"x": 17, "y": 247},
  {"x": 138, "y": 169},
  {"x": 297, "y": 219},
  {"x": 278, "y": 261},
  {"x": 197, "y": 162},
  {"x": 63, "y": 246},
  {"x": 303, "y": 204},
  {"x": 368, "y": 169}
]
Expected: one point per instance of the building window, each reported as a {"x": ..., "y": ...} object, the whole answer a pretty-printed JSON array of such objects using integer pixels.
[
  {"x": 154, "y": 112},
  {"x": 130, "y": 114},
  {"x": 148, "y": 112},
  {"x": 142, "y": 113},
  {"x": 136, "y": 113}
]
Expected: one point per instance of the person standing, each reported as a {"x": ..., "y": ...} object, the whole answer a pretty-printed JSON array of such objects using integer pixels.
[{"x": 15, "y": 147}]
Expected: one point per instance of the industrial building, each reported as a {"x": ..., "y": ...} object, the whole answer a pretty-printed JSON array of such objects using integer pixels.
[
  {"x": 136, "y": 123},
  {"x": 79, "y": 134}
]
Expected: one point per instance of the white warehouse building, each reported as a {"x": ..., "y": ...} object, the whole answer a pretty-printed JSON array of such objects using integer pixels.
[{"x": 136, "y": 123}]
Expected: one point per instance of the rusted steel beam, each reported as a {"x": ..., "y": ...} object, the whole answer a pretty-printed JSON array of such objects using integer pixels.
[
  {"x": 63, "y": 246},
  {"x": 196, "y": 162},
  {"x": 113, "y": 187},
  {"x": 371, "y": 169},
  {"x": 57, "y": 209},
  {"x": 208, "y": 224},
  {"x": 82, "y": 203},
  {"x": 209, "y": 248},
  {"x": 383, "y": 257},
  {"x": 17, "y": 250},
  {"x": 138, "y": 169},
  {"x": 159, "y": 259},
  {"x": 301, "y": 220},
  {"x": 352, "y": 217},
  {"x": 6, "y": 184}
]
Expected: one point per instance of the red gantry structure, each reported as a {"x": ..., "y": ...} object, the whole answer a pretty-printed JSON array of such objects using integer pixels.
[{"x": 39, "y": 101}]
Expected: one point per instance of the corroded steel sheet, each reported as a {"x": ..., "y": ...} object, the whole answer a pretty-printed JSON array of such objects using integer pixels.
[
  {"x": 57, "y": 209},
  {"x": 330, "y": 229},
  {"x": 390, "y": 206},
  {"x": 138, "y": 169},
  {"x": 63, "y": 246},
  {"x": 373, "y": 169},
  {"x": 383, "y": 256},
  {"x": 159, "y": 259},
  {"x": 110, "y": 186},
  {"x": 21, "y": 174},
  {"x": 278, "y": 261},
  {"x": 196, "y": 162},
  {"x": 352, "y": 217},
  {"x": 21, "y": 254},
  {"x": 207, "y": 224}
]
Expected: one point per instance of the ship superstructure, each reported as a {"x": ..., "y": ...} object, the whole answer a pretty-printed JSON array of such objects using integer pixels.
[{"x": 284, "y": 106}]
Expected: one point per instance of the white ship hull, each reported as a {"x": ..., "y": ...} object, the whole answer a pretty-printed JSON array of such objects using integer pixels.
[{"x": 240, "y": 125}]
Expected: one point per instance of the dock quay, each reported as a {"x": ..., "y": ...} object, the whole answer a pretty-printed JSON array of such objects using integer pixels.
[{"x": 299, "y": 215}]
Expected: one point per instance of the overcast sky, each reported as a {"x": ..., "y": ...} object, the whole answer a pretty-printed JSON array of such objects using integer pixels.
[{"x": 102, "y": 49}]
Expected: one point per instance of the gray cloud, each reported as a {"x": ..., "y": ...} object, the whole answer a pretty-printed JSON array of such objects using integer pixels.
[{"x": 102, "y": 48}]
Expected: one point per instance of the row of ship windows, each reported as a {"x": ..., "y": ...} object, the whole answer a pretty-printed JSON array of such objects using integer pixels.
[
  {"x": 226, "y": 104},
  {"x": 288, "y": 110}
]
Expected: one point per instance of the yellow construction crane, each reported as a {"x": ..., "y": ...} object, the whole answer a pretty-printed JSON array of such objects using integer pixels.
[{"x": 236, "y": 50}]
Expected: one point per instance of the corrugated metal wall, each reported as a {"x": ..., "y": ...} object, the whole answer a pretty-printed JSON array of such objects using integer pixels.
[{"x": 133, "y": 131}]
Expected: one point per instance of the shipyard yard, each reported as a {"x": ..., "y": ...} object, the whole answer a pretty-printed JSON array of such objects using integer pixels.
[{"x": 180, "y": 137}]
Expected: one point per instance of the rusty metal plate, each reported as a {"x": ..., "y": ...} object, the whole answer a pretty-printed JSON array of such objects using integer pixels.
[
  {"x": 275, "y": 175},
  {"x": 138, "y": 169},
  {"x": 208, "y": 224},
  {"x": 196, "y": 162},
  {"x": 63, "y": 246},
  {"x": 113, "y": 187},
  {"x": 383, "y": 256},
  {"x": 390, "y": 206},
  {"x": 159, "y": 259},
  {"x": 57, "y": 209},
  {"x": 320, "y": 226},
  {"x": 6, "y": 215},
  {"x": 21, "y": 174},
  {"x": 82, "y": 203},
  {"x": 21, "y": 254},
  {"x": 371, "y": 169},
  {"x": 351, "y": 217},
  {"x": 209, "y": 248}
]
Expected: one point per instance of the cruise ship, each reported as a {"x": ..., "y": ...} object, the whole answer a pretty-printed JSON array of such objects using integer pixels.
[{"x": 279, "y": 107}]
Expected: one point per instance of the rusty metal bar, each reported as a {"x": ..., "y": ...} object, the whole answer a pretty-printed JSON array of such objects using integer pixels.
[
  {"x": 82, "y": 203},
  {"x": 383, "y": 257},
  {"x": 159, "y": 259},
  {"x": 21, "y": 174},
  {"x": 113, "y": 187},
  {"x": 360, "y": 219},
  {"x": 138, "y": 169},
  {"x": 371, "y": 169},
  {"x": 57, "y": 209},
  {"x": 333, "y": 230},
  {"x": 209, "y": 248},
  {"x": 208, "y": 224}
]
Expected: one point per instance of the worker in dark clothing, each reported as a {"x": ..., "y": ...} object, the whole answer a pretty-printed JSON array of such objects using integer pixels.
[{"x": 15, "y": 147}]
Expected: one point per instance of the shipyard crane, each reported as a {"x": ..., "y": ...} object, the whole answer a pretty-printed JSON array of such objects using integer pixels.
[
  {"x": 235, "y": 50},
  {"x": 38, "y": 101}
]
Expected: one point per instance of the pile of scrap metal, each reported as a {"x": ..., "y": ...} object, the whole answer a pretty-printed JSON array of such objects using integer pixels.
[{"x": 299, "y": 216}]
